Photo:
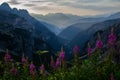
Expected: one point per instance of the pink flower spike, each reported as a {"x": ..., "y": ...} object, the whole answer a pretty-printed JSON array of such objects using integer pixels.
[
  {"x": 99, "y": 44},
  {"x": 57, "y": 63},
  {"x": 112, "y": 77},
  {"x": 76, "y": 50},
  {"x": 14, "y": 71},
  {"x": 62, "y": 54},
  {"x": 7, "y": 57},
  {"x": 24, "y": 60},
  {"x": 89, "y": 50},
  {"x": 42, "y": 67},
  {"x": 112, "y": 39},
  {"x": 32, "y": 69}
]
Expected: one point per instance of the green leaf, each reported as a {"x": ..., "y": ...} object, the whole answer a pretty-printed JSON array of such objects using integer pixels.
[{"x": 42, "y": 52}]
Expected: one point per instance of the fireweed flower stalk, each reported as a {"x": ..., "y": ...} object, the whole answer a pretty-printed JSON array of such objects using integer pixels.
[
  {"x": 62, "y": 57},
  {"x": 99, "y": 43},
  {"x": 14, "y": 70},
  {"x": 42, "y": 69},
  {"x": 112, "y": 38},
  {"x": 32, "y": 69},
  {"x": 76, "y": 50},
  {"x": 58, "y": 63},
  {"x": 89, "y": 50},
  {"x": 25, "y": 66},
  {"x": 23, "y": 60},
  {"x": 111, "y": 43},
  {"x": 62, "y": 54},
  {"x": 7, "y": 57},
  {"x": 112, "y": 77}
]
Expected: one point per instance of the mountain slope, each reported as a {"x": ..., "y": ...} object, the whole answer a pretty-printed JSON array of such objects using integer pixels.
[
  {"x": 39, "y": 29},
  {"x": 104, "y": 31},
  {"x": 114, "y": 16},
  {"x": 15, "y": 35},
  {"x": 85, "y": 23},
  {"x": 71, "y": 31},
  {"x": 19, "y": 32},
  {"x": 58, "y": 19},
  {"x": 52, "y": 28},
  {"x": 85, "y": 35}
]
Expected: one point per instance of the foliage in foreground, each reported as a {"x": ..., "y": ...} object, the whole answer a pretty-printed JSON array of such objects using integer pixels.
[{"x": 96, "y": 67}]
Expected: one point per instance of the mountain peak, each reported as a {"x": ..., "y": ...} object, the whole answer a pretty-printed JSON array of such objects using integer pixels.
[
  {"x": 5, "y": 6},
  {"x": 115, "y": 15},
  {"x": 24, "y": 11},
  {"x": 118, "y": 13},
  {"x": 21, "y": 12}
]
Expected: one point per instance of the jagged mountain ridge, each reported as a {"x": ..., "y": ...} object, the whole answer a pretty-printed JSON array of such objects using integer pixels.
[
  {"x": 72, "y": 31},
  {"x": 13, "y": 35},
  {"x": 22, "y": 33},
  {"x": 39, "y": 29},
  {"x": 58, "y": 19}
]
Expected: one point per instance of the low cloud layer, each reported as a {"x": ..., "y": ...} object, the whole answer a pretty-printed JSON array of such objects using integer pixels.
[{"x": 78, "y": 7}]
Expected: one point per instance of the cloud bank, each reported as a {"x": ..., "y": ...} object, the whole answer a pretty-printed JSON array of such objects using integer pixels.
[{"x": 78, "y": 7}]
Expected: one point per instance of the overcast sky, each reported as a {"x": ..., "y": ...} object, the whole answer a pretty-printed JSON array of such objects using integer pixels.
[{"x": 78, "y": 7}]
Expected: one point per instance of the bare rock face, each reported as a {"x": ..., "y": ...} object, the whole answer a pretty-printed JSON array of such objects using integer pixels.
[{"x": 19, "y": 32}]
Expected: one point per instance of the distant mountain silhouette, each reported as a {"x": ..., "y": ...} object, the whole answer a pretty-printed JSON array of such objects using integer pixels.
[
  {"x": 52, "y": 27},
  {"x": 71, "y": 31},
  {"x": 58, "y": 19},
  {"x": 85, "y": 23}
]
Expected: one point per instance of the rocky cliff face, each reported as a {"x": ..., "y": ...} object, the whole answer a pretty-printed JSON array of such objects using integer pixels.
[
  {"x": 38, "y": 28},
  {"x": 19, "y": 35},
  {"x": 15, "y": 35}
]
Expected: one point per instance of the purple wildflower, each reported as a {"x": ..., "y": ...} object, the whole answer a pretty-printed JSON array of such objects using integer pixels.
[
  {"x": 42, "y": 69},
  {"x": 7, "y": 57},
  {"x": 112, "y": 77},
  {"x": 89, "y": 50},
  {"x": 112, "y": 39},
  {"x": 24, "y": 60},
  {"x": 76, "y": 49},
  {"x": 14, "y": 71},
  {"x": 32, "y": 69},
  {"x": 99, "y": 44},
  {"x": 62, "y": 54},
  {"x": 57, "y": 65}
]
